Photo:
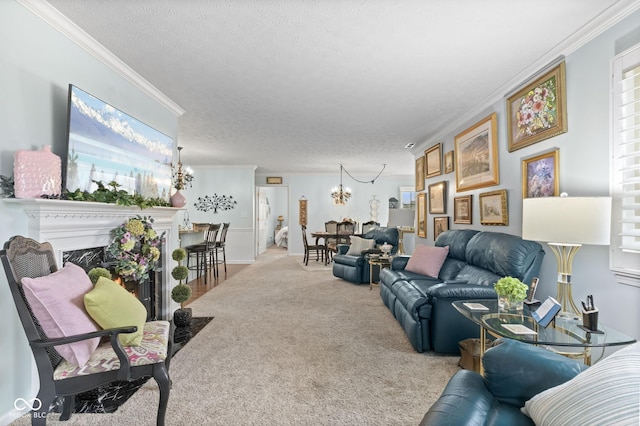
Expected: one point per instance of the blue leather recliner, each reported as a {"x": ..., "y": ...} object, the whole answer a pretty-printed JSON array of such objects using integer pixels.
[
  {"x": 354, "y": 268},
  {"x": 476, "y": 260},
  {"x": 514, "y": 372}
]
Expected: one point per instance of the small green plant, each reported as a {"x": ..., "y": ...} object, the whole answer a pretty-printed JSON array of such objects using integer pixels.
[
  {"x": 511, "y": 288},
  {"x": 96, "y": 273},
  {"x": 182, "y": 292},
  {"x": 111, "y": 193}
]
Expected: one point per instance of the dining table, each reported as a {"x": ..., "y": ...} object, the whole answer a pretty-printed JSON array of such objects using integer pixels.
[{"x": 328, "y": 236}]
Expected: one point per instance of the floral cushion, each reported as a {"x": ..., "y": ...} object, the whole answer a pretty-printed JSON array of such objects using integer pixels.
[{"x": 152, "y": 349}]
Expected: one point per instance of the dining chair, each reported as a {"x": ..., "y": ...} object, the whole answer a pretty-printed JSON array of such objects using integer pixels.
[
  {"x": 204, "y": 253},
  {"x": 368, "y": 225},
  {"x": 345, "y": 228},
  {"x": 331, "y": 243},
  {"x": 319, "y": 249}
]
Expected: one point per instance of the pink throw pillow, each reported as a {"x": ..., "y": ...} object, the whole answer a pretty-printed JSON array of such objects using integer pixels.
[
  {"x": 57, "y": 301},
  {"x": 427, "y": 260}
]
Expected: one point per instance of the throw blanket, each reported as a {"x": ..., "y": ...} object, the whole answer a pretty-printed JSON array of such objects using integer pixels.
[{"x": 281, "y": 237}]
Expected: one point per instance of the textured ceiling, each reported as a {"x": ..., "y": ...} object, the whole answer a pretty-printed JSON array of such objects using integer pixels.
[{"x": 303, "y": 86}]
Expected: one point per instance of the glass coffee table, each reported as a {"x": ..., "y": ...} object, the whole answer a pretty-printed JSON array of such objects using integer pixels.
[{"x": 562, "y": 332}]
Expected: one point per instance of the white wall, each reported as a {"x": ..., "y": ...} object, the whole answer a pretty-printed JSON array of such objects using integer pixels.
[
  {"x": 36, "y": 65},
  {"x": 584, "y": 170}
]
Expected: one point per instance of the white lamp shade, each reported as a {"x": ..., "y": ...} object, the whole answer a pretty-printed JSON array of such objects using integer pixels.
[
  {"x": 401, "y": 217},
  {"x": 569, "y": 220}
]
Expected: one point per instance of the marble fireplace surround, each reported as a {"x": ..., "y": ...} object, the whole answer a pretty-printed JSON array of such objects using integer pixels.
[{"x": 76, "y": 225}]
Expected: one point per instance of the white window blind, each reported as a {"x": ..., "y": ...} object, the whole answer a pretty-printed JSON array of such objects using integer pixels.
[{"x": 625, "y": 248}]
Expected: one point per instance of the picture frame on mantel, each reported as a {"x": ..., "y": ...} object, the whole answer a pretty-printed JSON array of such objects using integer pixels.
[
  {"x": 421, "y": 213},
  {"x": 493, "y": 208},
  {"x": 538, "y": 110},
  {"x": 540, "y": 175},
  {"x": 476, "y": 155},
  {"x": 433, "y": 160}
]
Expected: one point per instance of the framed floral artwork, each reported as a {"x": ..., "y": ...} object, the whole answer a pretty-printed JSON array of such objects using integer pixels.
[
  {"x": 493, "y": 208},
  {"x": 540, "y": 175},
  {"x": 433, "y": 160},
  {"x": 538, "y": 110},
  {"x": 462, "y": 209},
  {"x": 440, "y": 224},
  {"x": 438, "y": 198},
  {"x": 448, "y": 162},
  {"x": 420, "y": 173},
  {"x": 476, "y": 155},
  {"x": 421, "y": 212}
]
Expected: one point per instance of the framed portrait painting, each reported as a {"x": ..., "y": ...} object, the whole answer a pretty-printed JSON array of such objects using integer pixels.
[
  {"x": 493, "y": 208},
  {"x": 462, "y": 209},
  {"x": 420, "y": 174},
  {"x": 421, "y": 212},
  {"x": 538, "y": 110},
  {"x": 438, "y": 198},
  {"x": 433, "y": 160},
  {"x": 476, "y": 155},
  {"x": 540, "y": 176},
  {"x": 440, "y": 224}
]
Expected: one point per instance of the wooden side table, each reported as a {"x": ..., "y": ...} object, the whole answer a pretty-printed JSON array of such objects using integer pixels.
[{"x": 380, "y": 262}]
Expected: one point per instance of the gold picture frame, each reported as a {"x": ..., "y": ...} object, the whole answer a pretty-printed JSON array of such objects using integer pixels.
[
  {"x": 433, "y": 160},
  {"x": 476, "y": 155},
  {"x": 538, "y": 110},
  {"x": 420, "y": 174},
  {"x": 440, "y": 224},
  {"x": 493, "y": 208},
  {"x": 274, "y": 180},
  {"x": 448, "y": 162},
  {"x": 421, "y": 212},
  {"x": 463, "y": 209},
  {"x": 540, "y": 175},
  {"x": 438, "y": 198}
]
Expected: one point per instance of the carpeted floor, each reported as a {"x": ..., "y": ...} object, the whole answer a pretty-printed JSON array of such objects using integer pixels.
[{"x": 291, "y": 347}]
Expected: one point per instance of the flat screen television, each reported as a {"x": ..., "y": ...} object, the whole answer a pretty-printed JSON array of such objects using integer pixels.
[{"x": 106, "y": 144}]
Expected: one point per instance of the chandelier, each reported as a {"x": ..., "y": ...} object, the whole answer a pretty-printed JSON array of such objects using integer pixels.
[
  {"x": 182, "y": 177},
  {"x": 339, "y": 194}
]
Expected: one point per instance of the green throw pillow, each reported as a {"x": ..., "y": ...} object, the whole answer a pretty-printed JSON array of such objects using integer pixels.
[{"x": 112, "y": 306}]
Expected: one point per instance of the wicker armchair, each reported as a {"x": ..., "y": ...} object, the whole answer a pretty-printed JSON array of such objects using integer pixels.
[{"x": 26, "y": 258}]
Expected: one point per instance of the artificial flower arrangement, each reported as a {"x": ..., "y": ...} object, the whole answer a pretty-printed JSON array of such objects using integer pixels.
[{"x": 135, "y": 248}]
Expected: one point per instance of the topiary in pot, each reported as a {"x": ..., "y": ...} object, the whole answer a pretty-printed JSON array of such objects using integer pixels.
[
  {"x": 181, "y": 293},
  {"x": 96, "y": 273}
]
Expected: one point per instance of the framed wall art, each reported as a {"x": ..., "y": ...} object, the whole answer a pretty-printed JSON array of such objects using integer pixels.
[
  {"x": 420, "y": 174},
  {"x": 440, "y": 224},
  {"x": 540, "y": 176},
  {"x": 433, "y": 160},
  {"x": 493, "y": 208},
  {"x": 462, "y": 209},
  {"x": 437, "y": 198},
  {"x": 421, "y": 212},
  {"x": 538, "y": 110},
  {"x": 476, "y": 155},
  {"x": 274, "y": 180},
  {"x": 448, "y": 162}
]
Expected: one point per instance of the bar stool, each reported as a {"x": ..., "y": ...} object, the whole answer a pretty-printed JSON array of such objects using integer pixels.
[
  {"x": 202, "y": 251},
  {"x": 220, "y": 248}
]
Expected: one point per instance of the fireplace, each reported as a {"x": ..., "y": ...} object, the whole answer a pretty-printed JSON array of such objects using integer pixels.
[{"x": 82, "y": 229}]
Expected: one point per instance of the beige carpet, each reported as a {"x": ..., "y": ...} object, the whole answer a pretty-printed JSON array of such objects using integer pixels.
[{"x": 291, "y": 347}]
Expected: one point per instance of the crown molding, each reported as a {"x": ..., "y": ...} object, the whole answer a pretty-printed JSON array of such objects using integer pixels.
[
  {"x": 588, "y": 32},
  {"x": 66, "y": 27}
]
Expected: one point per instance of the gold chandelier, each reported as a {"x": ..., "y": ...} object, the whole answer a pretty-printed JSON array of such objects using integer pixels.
[
  {"x": 340, "y": 194},
  {"x": 182, "y": 177}
]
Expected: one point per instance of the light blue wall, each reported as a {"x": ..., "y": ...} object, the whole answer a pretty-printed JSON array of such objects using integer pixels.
[
  {"x": 37, "y": 64},
  {"x": 584, "y": 170}
]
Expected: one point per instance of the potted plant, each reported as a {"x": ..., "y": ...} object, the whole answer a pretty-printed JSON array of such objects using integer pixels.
[
  {"x": 511, "y": 293},
  {"x": 182, "y": 292}
]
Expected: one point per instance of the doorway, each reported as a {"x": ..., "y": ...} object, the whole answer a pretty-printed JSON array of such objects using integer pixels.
[{"x": 272, "y": 203}]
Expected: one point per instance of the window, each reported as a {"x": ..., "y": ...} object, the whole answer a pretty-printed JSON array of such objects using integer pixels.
[{"x": 625, "y": 168}]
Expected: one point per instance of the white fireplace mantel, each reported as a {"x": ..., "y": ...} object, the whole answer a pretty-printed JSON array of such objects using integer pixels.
[{"x": 75, "y": 225}]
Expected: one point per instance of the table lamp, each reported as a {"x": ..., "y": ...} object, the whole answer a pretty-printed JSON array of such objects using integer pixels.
[
  {"x": 565, "y": 224},
  {"x": 404, "y": 220}
]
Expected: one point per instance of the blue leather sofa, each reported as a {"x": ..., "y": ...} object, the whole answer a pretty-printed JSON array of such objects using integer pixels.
[
  {"x": 476, "y": 260},
  {"x": 355, "y": 269},
  {"x": 514, "y": 373}
]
